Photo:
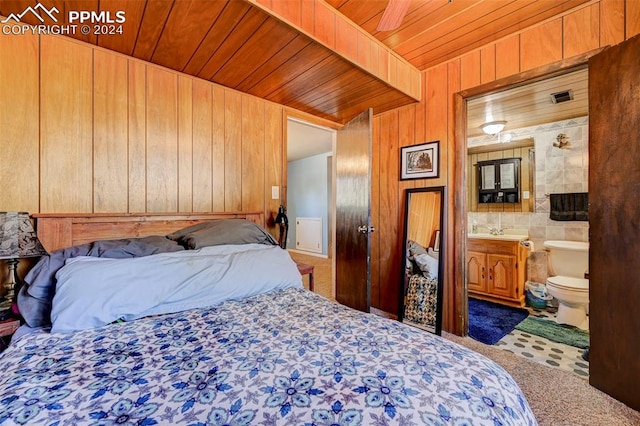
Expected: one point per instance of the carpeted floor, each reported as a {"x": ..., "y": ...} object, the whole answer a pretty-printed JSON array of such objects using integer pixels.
[
  {"x": 557, "y": 397},
  {"x": 322, "y": 273}
]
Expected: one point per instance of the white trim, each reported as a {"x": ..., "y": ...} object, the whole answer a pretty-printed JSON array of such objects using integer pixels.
[
  {"x": 332, "y": 247},
  {"x": 308, "y": 253},
  {"x": 307, "y": 123}
]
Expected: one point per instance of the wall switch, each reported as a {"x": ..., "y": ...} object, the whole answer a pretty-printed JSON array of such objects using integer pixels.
[
  {"x": 275, "y": 192},
  {"x": 525, "y": 195}
]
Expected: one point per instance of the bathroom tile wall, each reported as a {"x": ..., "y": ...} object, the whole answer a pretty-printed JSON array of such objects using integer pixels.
[{"x": 557, "y": 170}]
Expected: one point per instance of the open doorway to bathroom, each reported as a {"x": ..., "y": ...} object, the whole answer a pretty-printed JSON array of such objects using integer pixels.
[
  {"x": 538, "y": 147},
  {"x": 310, "y": 200}
]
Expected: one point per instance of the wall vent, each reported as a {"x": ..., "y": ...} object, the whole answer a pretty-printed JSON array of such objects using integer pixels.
[{"x": 564, "y": 96}]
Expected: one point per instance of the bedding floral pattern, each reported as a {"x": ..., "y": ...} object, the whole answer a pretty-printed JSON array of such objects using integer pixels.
[{"x": 286, "y": 357}]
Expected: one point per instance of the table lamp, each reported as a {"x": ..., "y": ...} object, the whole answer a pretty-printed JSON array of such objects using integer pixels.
[
  {"x": 17, "y": 240},
  {"x": 283, "y": 221}
]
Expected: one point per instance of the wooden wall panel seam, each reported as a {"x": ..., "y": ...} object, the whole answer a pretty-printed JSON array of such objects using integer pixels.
[{"x": 93, "y": 129}]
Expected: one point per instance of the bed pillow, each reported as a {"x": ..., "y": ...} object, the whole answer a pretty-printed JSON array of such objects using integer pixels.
[
  {"x": 428, "y": 265},
  {"x": 414, "y": 248},
  {"x": 222, "y": 232},
  {"x": 431, "y": 252},
  {"x": 34, "y": 298},
  {"x": 129, "y": 289}
]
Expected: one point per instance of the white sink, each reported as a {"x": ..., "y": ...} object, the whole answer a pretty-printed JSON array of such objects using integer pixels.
[{"x": 507, "y": 235}]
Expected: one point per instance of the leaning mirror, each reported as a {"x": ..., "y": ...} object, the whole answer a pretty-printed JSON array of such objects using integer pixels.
[{"x": 423, "y": 260}]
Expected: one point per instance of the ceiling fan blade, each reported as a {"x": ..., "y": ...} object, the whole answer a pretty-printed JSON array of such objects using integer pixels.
[{"x": 393, "y": 15}]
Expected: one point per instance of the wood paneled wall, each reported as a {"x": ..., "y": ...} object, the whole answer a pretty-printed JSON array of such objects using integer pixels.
[
  {"x": 424, "y": 217},
  {"x": 19, "y": 123},
  {"x": 608, "y": 22},
  {"x": 86, "y": 130}
]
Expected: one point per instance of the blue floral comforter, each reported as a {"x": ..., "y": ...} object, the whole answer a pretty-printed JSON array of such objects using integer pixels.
[{"x": 286, "y": 357}]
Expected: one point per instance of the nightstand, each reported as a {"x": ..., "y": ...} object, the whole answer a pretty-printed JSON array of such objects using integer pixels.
[
  {"x": 305, "y": 269},
  {"x": 7, "y": 328}
]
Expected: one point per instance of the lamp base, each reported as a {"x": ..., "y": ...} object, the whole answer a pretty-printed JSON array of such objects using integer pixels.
[{"x": 10, "y": 290}]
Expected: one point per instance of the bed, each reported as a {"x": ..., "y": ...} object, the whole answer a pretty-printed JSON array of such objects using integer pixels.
[{"x": 146, "y": 340}]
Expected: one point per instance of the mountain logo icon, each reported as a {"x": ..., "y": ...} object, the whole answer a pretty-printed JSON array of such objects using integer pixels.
[{"x": 38, "y": 11}]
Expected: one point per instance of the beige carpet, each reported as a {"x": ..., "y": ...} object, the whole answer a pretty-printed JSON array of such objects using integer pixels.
[
  {"x": 557, "y": 397},
  {"x": 322, "y": 273}
]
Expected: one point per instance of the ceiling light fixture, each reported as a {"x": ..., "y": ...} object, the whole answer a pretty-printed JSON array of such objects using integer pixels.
[{"x": 493, "y": 127}]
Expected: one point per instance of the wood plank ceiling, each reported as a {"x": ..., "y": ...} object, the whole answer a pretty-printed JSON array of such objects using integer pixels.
[
  {"x": 237, "y": 45},
  {"x": 531, "y": 104},
  {"x": 434, "y": 31}
]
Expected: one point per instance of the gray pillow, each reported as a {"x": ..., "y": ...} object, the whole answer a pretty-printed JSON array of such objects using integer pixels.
[
  {"x": 428, "y": 265},
  {"x": 35, "y": 297},
  {"x": 221, "y": 232},
  {"x": 414, "y": 248}
]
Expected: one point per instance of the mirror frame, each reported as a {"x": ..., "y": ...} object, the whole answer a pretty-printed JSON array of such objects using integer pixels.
[{"x": 441, "y": 261}]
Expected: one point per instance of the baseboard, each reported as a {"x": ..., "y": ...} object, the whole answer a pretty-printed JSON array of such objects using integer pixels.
[
  {"x": 309, "y": 253},
  {"x": 381, "y": 313}
]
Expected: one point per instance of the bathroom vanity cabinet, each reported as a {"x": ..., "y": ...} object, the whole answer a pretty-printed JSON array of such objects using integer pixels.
[{"x": 496, "y": 270}]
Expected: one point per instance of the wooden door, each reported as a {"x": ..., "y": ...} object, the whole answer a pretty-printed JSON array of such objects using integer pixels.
[
  {"x": 476, "y": 271},
  {"x": 501, "y": 280},
  {"x": 353, "y": 212},
  {"x": 614, "y": 222}
]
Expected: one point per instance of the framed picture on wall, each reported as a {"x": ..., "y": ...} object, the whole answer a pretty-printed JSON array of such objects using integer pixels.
[{"x": 420, "y": 161}]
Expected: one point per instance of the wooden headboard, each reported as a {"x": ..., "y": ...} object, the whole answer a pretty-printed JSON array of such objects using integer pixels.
[{"x": 59, "y": 230}]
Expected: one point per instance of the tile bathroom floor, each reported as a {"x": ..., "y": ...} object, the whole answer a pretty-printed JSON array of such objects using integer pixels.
[{"x": 544, "y": 351}]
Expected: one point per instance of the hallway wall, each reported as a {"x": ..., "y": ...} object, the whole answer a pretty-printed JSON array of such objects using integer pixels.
[{"x": 307, "y": 195}]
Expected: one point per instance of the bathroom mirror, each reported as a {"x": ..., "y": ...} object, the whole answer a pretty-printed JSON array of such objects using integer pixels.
[{"x": 421, "y": 272}]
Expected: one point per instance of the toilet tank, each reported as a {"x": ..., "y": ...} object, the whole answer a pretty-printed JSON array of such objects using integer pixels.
[{"x": 567, "y": 258}]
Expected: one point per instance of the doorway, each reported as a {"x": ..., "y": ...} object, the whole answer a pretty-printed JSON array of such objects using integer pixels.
[
  {"x": 309, "y": 199},
  {"x": 351, "y": 210},
  {"x": 533, "y": 125}
]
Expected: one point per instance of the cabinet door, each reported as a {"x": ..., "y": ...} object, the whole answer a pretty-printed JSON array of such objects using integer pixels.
[
  {"x": 499, "y": 181},
  {"x": 501, "y": 275},
  {"x": 488, "y": 177},
  {"x": 477, "y": 271}
]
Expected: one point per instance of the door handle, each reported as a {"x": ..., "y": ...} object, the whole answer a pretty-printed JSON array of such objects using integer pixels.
[{"x": 364, "y": 229}]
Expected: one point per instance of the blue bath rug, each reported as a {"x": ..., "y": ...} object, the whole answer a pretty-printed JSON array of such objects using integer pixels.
[{"x": 489, "y": 322}]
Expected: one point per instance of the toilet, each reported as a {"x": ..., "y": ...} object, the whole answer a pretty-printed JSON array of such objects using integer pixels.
[{"x": 568, "y": 264}]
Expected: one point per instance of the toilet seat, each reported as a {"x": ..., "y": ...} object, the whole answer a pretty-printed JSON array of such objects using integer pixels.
[{"x": 569, "y": 283}]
